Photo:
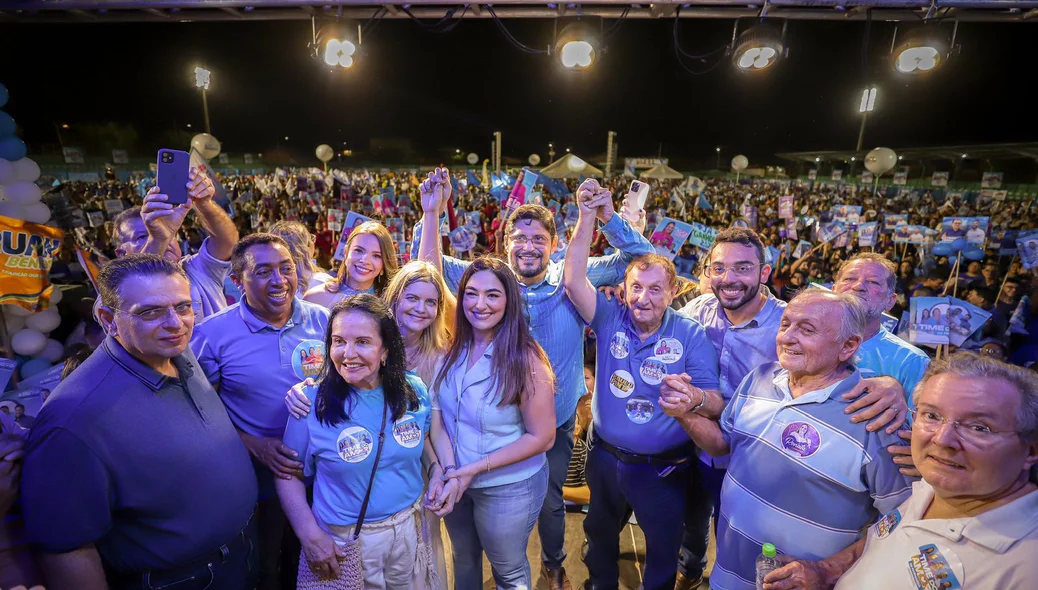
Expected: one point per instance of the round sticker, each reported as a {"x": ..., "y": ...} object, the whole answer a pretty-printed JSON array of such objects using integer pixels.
[
  {"x": 801, "y": 439},
  {"x": 621, "y": 383},
  {"x": 407, "y": 432},
  {"x": 619, "y": 345},
  {"x": 640, "y": 409},
  {"x": 308, "y": 358},
  {"x": 668, "y": 350},
  {"x": 653, "y": 371},
  {"x": 355, "y": 444},
  {"x": 888, "y": 523}
]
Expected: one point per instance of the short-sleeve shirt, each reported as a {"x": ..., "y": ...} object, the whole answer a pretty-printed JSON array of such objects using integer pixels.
[
  {"x": 340, "y": 456},
  {"x": 253, "y": 364},
  {"x": 146, "y": 467},
  {"x": 206, "y": 275},
  {"x": 628, "y": 374},
  {"x": 887, "y": 355},
  {"x": 996, "y": 549},
  {"x": 802, "y": 475}
]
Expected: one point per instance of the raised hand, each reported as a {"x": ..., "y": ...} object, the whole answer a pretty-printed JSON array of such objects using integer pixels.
[
  {"x": 200, "y": 187},
  {"x": 162, "y": 219}
]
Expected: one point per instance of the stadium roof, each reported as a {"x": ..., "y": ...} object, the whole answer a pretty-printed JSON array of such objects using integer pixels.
[
  {"x": 987, "y": 151},
  {"x": 97, "y": 11}
]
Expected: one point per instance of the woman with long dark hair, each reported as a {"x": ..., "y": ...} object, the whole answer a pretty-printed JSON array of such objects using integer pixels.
[
  {"x": 495, "y": 397},
  {"x": 365, "y": 397}
]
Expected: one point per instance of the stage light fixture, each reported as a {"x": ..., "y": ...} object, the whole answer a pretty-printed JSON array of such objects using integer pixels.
[
  {"x": 336, "y": 44},
  {"x": 921, "y": 50},
  {"x": 758, "y": 48},
  {"x": 577, "y": 46}
]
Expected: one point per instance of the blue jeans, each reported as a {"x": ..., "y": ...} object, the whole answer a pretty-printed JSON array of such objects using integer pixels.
[
  {"x": 497, "y": 520},
  {"x": 702, "y": 502},
  {"x": 616, "y": 488},
  {"x": 551, "y": 524}
]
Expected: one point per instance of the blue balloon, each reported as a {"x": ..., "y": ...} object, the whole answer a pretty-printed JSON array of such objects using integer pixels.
[
  {"x": 6, "y": 124},
  {"x": 973, "y": 252},
  {"x": 33, "y": 366},
  {"x": 942, "y": 249},
  {"x": 959, "y": 244},
  {"x": 12, "y": 149},
  {"x": 3, "y": 95}
]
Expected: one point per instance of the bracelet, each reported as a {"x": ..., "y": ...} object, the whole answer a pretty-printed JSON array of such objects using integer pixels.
[
  {"x": 488, "y": 462},
  {"x": 448, "y": 469},
  {"x": 701, "y": 402},
  {"x": 431, "y": 467}
]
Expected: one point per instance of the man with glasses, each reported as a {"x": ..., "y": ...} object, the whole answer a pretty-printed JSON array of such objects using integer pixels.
[
  {"x": 134, "y": 475},
  {"x": 253, "y": 352},
  {"x": 530, "y": 240}
]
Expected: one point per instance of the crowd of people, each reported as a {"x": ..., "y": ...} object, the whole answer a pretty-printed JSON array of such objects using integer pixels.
[{"x": 294, "y": 378}]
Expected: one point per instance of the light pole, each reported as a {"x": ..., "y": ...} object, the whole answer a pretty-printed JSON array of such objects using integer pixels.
[
  {"x": 551, "y": 153},
  {"x": 202, "y": 81},
  {"x": 868, "y": 104},
  {"x": 718, "y": 150}
]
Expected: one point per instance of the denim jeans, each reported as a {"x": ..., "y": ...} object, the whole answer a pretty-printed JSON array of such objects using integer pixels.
[
  {"x": 702, "y": 502},
  {"x": 657, "y": 499},
  {"x": 497, "y": 520},
  {"x": 551, "y": 524}
]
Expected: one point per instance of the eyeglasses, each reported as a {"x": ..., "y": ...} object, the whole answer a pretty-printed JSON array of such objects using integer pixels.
[
  {"x": 524, "y": 240},
  {"x": 739, "y": 270},
  {"x": 184, "y": 311},
  {"x": 974, "y": 432}
]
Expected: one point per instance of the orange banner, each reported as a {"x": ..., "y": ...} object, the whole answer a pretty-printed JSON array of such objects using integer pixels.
[{"x": 27, "y": 251}]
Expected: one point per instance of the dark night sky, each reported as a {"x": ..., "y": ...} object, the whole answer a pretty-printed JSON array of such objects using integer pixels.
[{"x": 456, "y": 89}]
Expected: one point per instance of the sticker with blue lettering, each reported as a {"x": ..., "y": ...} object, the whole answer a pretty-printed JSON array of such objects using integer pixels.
[
  {"x": 354, "y": 444},
  {"x": 888, "y": 523},
  {"x": 308, "y": 358},
  {"x": 935, "y": 569}
]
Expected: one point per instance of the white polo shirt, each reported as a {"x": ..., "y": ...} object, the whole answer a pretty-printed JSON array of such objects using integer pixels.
[{"x": 998, "y": 549}]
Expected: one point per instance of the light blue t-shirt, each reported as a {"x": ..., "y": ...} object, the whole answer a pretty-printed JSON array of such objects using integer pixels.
[
  {"x": 340, "y": 457},
  {"x": 887, "y": 355}
]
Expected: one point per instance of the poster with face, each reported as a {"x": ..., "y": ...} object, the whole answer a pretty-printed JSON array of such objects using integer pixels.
[{"x": 669, "y": 235}]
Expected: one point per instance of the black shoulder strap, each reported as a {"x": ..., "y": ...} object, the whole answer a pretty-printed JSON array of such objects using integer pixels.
[{"x": 371, "y": 481}]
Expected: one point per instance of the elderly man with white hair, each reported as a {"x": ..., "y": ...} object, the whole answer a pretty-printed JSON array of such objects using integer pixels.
[
  {"x": 802, "y": 476},
  {"x": 972, "y": 522}
]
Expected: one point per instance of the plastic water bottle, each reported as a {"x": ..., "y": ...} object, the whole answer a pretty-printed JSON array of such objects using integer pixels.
[{"x": 766, "y": 563}]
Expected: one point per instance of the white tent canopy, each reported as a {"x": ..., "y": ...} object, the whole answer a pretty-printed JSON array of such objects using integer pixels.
[
  {"x": 570, "y": 166},
  {"x": 662, "y": 172}
]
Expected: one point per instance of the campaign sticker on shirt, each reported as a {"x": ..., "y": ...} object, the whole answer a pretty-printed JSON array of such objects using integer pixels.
[
  {"x": 668, "y": 350},
  {"x": 621, "y": 383},
  {"x": 935, "y": 569},
  {"x": 801, "y": 439},
  {"x": 407, "y": 432},
  {"x": 888, "y": 523},
  {"x": 653, "y": 371},
  {"x": 308, "y": 358},
  {"x": 355, "y": 444},
  {"x": 619, "y": 345},
  {"x": 640, "y": 409}
]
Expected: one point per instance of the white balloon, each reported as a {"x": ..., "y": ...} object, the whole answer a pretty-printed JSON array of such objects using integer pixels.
[
  {"x": 206, "y": 145},
  {"x": 7, "y": 174},
  {"x": 534, "y": 159},
  {"x": 22, "y": 193},
  {"x": 880, "y": 160},
  {"x": 739, "y": 163},
  {"x": 26, "y": 170},
  {"x": 324, "y": 152},
  {"x": 36, "y": 213},
  {"x": 472, "y": 158},
  {"x": 15, "y": 310},
  {"x": 52, "y": 352},
  {"x": 9, "y": 209},
  {"x": 55, "y": 295},
  {"x": 28, "y": 342},
  {"x": 576, "y": 164},
  {"x": 14, "y": 323},
  {"x": 44, "y": 321}
]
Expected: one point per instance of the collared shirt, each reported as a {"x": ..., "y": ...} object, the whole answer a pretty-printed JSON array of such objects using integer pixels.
[
  {"x": 996, "y": 549},
  {"x": 628, "y": 373},
  {"x": 740, "y": 348},
  {"x": 206, "y": 275},
  {"x": 554, "y": 322},
  {"x": 802, "y": 476},
  {"x": 253, "y": 364},
  {"x": 477, "y": 424},
  {"x": 340, "y": 456},
  {"x": 887, "y": 355},
  {"x": 147, "y": 467}
]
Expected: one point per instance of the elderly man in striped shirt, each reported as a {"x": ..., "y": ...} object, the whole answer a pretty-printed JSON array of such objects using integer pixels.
[{"x": 802, "y": 475}]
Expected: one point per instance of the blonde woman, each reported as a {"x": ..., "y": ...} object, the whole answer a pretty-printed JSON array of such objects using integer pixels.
[
  {"x": 369, "y": 266},
  {"x": 301, "y": 246}
]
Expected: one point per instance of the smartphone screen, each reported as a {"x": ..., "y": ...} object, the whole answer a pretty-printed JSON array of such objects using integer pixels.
[{"x": 172, "y": 175}]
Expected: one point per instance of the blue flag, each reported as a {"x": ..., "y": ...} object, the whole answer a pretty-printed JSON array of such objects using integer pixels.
[
  {"x": 702, "y": 203},
  {"x": 473, "y": 180}
]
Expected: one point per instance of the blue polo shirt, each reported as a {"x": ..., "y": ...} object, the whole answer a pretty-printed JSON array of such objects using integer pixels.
[
  {"x": 253, "y": 364},
  {"x": 628, "y": 374},
  {"x": 146, "y": 467},
  {"x": 887, "y": 355},
  {"x": 340, "y": 456}
]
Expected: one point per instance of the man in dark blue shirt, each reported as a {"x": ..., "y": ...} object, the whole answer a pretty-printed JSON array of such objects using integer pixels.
[{"x": 134, "y": 476}]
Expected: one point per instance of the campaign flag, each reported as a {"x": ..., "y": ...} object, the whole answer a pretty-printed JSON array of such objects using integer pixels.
[
  {"x": 837, "y": 174},
  {"x": 1027, "y": 247},
  {"x": 791, "y": 229},
  {"x": 28, "y": 252},
  {"x": 702, "y": 203},
  {"x": 939, "y": 179},
  {"x": 785, "y": 207},
  {"x": 929, "y": 320},
  {"x": 964, "y": 319},
  {"x": 827, "y": 232},
  {"x": 901, "y": 176},
  {"x": 669, "y": 236},
  {"x": 702, "y": 236},
  {"x": 991, "y": 180},
  {"x": 803, "y": 247},
  {"x": 473, "y": 179},
  {"x": 867, "y": 234},
  {"x": 866, "y": 177},
  {"x": 812, "y": 174},
  {"x": 353, "y": 219}
]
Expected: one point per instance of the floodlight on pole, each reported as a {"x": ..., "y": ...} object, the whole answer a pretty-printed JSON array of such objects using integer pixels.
[
  {"x": 758, "y": 48},
  {"x": 336, "y": 44},
  {"x": 202, "y": 77},
  {"x": 921, "y": 49},
  {"x": 577, "y": 46},
  {"x": 868, "y": 104}
]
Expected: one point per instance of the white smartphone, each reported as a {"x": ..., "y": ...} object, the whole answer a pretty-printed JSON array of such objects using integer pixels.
[{"x": 640, "y": 190}]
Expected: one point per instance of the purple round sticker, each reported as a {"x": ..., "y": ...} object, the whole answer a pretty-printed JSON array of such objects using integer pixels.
[{"x": 801, "y": 439}]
